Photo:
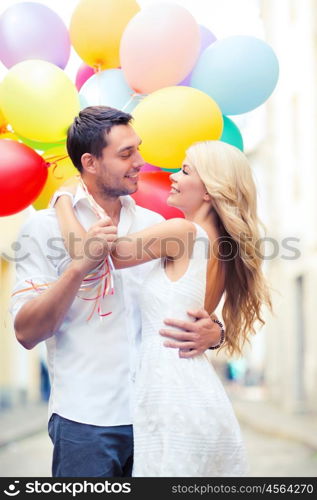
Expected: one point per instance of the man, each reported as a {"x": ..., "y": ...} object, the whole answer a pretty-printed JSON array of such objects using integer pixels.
[{"x": 92, "y": 363}]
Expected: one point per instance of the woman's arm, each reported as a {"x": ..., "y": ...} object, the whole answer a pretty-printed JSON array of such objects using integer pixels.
[
  {"x": 173, "y": 238},
  {"x": 70, "y": 225}
]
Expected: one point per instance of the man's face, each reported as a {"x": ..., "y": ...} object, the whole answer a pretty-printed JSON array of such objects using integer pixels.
[{"x": 117, "y": 170}]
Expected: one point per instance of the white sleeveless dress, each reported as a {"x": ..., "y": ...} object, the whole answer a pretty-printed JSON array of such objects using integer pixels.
[{"x": 184, "y": 424}]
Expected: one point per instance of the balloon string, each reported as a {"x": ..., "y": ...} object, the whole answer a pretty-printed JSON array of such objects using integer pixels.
[
  {"x": 128, "y": 102},
  {"x": 106, "y": 286},
  {"x": 99, "y": 88},
  {"x": 97, "y": 68},
  {"x": 57, "y": 157},
  {"x": 54, "y": 163},
  {"x": 40, "y": 287},
  {"x": 137, "y": 96}
]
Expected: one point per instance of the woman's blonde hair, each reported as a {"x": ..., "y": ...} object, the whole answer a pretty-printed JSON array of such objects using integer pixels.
[{"x": 227, "y": 175}]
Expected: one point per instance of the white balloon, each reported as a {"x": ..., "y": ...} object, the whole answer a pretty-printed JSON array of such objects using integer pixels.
[{"x": 108, "y": 88}]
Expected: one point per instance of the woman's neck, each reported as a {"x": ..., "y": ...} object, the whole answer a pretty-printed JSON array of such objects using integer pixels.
[{"x": 208, "y": 219}]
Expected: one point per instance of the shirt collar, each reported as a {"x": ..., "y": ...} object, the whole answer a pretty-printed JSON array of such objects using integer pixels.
[{"x": 127, "y": 202}]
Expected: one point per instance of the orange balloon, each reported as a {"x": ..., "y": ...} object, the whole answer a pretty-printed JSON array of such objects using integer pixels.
[
  {"x": 96, "y": 28},
  {"x": 3, "y": 122}
]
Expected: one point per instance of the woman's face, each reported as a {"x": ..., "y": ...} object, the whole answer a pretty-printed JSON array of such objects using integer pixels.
[{"x": 188, "y": 192}]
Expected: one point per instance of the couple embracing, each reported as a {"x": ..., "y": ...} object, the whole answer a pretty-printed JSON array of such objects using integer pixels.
[{"x": 127, "y": 324}]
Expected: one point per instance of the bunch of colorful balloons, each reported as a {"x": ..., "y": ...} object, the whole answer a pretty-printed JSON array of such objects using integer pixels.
[{"x": 179, "y": 82}]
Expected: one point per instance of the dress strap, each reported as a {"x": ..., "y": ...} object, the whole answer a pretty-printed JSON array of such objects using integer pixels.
[{"x": 202, "y": 244}]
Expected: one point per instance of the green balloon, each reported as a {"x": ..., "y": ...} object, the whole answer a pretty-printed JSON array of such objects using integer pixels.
[
  {"x": 41, "y": 146},
  {"x": 231, "y": 134},
  {"x": 171, "y": 170}
]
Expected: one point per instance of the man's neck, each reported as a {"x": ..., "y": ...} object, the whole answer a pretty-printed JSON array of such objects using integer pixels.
[{"x": 111, "y": 205}]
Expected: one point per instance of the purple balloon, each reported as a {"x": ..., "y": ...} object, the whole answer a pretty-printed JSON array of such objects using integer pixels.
[
  {"x": 207, "y": 38},
  {"x": 31, "y": 30}
]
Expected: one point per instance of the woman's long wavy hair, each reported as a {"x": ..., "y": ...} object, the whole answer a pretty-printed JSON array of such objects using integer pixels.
[{"x": 227, "y": 175}]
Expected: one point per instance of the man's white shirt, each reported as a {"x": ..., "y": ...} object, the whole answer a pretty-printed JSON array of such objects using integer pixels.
[{"x": 91, "y": 363}]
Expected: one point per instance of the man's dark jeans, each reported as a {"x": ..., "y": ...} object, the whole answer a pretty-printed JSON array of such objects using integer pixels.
[{"x": 82, "y": 450}]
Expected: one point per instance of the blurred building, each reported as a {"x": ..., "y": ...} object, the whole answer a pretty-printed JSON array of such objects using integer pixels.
[
  {"x": 20, "y": 370},
  {"x": 287, "y": 161}
]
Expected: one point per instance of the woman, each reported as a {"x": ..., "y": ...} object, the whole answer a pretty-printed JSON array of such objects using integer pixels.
[{"x": 184, "y": 424}]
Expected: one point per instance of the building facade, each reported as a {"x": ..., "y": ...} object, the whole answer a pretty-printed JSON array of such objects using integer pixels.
[{"x": 287, "y": 159}]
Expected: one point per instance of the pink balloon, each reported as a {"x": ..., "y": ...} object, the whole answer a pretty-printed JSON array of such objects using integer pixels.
[
  {"x": 159, "y": 47},
  {"x": 30, "y": 30},
  {"x": 207, "y": 38},
  {"x": 84, "y": 72},
  {"x": 150, "y": 168}
]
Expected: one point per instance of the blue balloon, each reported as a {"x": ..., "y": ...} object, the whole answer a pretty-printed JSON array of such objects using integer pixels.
[
  {"x": 108, "y": 88},
  {"x": 239, "y": 73}
]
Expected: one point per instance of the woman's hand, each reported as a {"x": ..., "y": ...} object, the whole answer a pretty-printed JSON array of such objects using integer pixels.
[
  {"x": 95, "y": 245},
  {"x": 60, "y": 200}
]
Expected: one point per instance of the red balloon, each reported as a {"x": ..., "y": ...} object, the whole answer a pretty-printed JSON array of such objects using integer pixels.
[
  {"x": 152, "y": 193},
  {"x": 23, "y": 174}
]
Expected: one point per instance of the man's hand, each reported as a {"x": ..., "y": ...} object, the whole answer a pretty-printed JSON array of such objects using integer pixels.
[
  {"x": 196, "y": 337},
  {"x": 96, "y": 245}
]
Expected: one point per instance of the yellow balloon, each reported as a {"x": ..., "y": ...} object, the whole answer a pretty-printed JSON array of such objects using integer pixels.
[
  {"x": 172, "y": 119},
  {"x": 39, "y": 100},
  {"x": 9, "y": 135},
  {"x": 59, "y": 171},
  {"x": 96, "y": 28}
]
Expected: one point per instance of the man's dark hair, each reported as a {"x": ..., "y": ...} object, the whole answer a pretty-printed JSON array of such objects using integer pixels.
[{"x": 88, "y": 132}]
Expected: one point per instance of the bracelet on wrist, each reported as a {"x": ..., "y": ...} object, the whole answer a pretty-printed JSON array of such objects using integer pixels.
[{"x": 222, "y": 334}]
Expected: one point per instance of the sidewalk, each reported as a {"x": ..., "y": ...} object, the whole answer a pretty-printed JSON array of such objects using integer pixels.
[
  {"x": 251, "y": 410},
  {"x": 21, "y": 422},
  {"x": 254, "y": 411}
]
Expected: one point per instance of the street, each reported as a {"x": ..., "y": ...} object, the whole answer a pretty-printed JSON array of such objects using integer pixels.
[{"x": 269, "y": 457}]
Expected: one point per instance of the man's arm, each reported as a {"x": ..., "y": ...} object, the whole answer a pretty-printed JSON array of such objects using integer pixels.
[
  {"x": 41, "y": 314},
  {"x": 196, "y": 336},
  {"x": 40, "y": 317}
]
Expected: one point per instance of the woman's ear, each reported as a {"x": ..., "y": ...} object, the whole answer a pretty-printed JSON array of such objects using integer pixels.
[
  {"x": 88, "y": 163},
  {"x": 207, "y": 197}
]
